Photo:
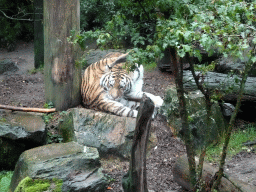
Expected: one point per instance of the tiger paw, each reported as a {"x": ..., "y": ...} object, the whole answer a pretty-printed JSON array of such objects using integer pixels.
[{"x": 158, "y": 101}]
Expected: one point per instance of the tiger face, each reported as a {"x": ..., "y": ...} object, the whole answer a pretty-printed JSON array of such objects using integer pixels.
[{"x": 116, "y": 85}]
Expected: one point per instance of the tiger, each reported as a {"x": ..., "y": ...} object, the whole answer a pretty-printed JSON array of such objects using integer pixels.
[{"x": 107, "y": 86}]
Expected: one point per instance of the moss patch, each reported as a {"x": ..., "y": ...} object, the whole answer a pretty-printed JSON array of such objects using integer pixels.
[{"x": 39, "y": 185}]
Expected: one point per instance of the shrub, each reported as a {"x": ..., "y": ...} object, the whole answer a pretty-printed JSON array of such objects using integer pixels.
[{"x": 16, "y": 16}]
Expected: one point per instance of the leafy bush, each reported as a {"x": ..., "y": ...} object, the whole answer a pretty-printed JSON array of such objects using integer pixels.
[
  {"x": 95, "y": 13},
  {"x": 5, "y": 180},
  {"x": 15, "y": 16}
]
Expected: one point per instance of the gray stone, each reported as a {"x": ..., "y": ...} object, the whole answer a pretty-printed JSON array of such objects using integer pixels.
[
  {"x": 76, "y": 165},
  {"x": 19, "y": 131},
  {"x": 110, "y": 134},
  {"x": 196, "y": 108},
  {"x": 228, "y": 109},
  {"x": 226, "y": 65},
  {"x": 7, "y": 65}
]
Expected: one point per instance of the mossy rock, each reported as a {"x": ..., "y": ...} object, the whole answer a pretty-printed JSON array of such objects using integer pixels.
[{"x": 197, "y": 116}]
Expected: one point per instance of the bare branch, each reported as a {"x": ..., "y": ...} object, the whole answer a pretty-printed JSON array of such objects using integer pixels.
[{"x": 17, "y": 18}]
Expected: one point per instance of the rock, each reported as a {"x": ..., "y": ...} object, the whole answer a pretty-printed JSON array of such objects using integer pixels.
[
  {"x": 7, "y": 65},
  {"x": 110, "y": 134},
  {"x": 77, "y": 166},
  {"x": 196, "y": 107},
  {"x": 19, "y": 131},
  {"x": 225, "y": 84},
  {"x": 228, "y": 183},
  {"x": 226, "y": 65},
  {"x": 228, "y": 109}
]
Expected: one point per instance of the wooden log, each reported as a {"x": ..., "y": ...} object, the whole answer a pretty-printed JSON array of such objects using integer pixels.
[
  {"x": 228, "y": 183},
  {"x": 221, "y": 82},
  {"x": 136, "y": 180},
  {"x": 62, "y": 72},
  {"x": 38, "y": 34},
  {"x": 27, "y": 109}
]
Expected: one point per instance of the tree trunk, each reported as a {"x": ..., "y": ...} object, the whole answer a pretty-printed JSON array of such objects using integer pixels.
[
  {"x": 186, "y": 133},
  {"x": 38, "y": 34},
  {"x": 62, "y": 73},
  {"x": 136, "y": 180}
]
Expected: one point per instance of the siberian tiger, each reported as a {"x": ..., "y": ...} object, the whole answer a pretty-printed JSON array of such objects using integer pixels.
[{"x": 107, "y": 86}]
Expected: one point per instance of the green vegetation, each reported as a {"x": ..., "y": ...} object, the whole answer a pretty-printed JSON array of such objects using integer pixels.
[
  {"x": 95, "y": 13},
  {"x": 47, "y": 117},
  {"x": 54, "y": 138},
  {"x": 16, "y": 19},
  {"x": 237, "y": 139},
  {"x": 5, "y": 180},
  {"x": 34, "y": 70},
  {"x": 2, "y": 119},
  {"x": 39, "y": 185}
]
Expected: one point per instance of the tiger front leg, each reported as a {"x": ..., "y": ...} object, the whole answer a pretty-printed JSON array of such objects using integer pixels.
[
  {"x": 118, "y": 108},
  {"x": 157, "y": 100}
]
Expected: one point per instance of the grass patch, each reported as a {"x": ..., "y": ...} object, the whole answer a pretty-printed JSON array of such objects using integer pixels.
[
  {"x": 34, "y": 70},
  {"x": 235, "y": 146},
  {"x": 5, "y": 180}
]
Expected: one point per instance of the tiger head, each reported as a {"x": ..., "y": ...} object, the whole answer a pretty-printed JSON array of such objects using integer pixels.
[{"x": 116, "y": 85}]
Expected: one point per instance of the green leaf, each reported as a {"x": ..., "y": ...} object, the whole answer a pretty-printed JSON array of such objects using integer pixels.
[{"x": 253, "y": 59}]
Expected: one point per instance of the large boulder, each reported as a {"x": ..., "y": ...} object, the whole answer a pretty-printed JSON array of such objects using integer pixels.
[
  {"x": 110, "y": 134},
  {"x": 196, "y": 108},
  {"x": 76, "y": 165},
  {"x": 19, "y": 131}
]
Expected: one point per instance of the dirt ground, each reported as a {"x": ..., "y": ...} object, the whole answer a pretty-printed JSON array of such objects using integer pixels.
[{"x": 25, "y": 88}]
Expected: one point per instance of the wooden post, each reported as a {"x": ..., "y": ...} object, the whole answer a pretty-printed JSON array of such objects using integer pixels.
[
  {"x": 38, "y": 34},
  {"x": 136, "y": 180},
  {"x": 62, "y": 74}
]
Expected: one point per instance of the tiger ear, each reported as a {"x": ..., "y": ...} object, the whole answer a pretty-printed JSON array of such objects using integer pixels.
[
  {"x": 109, "y": 67},
  {"x": 120, "y": 59}
]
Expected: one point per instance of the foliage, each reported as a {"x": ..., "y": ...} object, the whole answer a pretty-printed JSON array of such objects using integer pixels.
[
  {"x": 5, "y": 180},
  {"x": 95, "y": 13},
  {"x": 38, "y": 185},
  {"x": 54, "y": 138},
  {"x": 34, "y": 71},
  {"x": 49, "y": 105},
  {"x": 16, "y": 17},
  {"x": 235, "y": 146}
]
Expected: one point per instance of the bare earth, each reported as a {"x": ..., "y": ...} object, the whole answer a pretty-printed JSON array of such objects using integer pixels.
[{"x": 22, "y": 88}]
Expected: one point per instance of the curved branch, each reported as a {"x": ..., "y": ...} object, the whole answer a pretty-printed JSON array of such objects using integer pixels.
[{"x": 16, "y": 18}]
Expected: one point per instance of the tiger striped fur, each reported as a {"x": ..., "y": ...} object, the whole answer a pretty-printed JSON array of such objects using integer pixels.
[{"x": 106, "y": 86}]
